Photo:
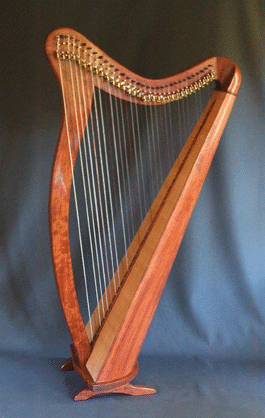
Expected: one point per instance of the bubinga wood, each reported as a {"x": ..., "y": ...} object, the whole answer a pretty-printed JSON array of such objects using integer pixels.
[{"x": 107, "y": 359}]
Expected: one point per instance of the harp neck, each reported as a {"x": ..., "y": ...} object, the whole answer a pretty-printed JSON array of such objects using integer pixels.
[
  {"x": 93, "y": 60},
  {"x": 66, "y": 44}
]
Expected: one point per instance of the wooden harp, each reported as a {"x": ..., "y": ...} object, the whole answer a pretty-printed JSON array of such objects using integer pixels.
[{"x": 143, "y": 148}]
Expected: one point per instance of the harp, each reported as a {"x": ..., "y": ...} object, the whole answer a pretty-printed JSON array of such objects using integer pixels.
[{"x": 143, "y": 148}]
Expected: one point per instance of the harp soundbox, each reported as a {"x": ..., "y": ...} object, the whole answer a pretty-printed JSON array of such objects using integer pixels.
[{"x": 131, "y": 159}]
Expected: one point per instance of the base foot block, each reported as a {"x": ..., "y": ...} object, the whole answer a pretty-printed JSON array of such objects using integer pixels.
[{"x": 127, "y": 389}]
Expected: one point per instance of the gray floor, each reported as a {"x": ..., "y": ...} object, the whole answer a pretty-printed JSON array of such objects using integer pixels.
[{"x": 34, "y": 387}]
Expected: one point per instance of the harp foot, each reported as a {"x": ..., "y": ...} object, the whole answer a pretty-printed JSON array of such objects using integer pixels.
[
  {"x": 67, "y": 366},
  {"x": 122, "y": 386},
  {"x": 127, "y": 389}
]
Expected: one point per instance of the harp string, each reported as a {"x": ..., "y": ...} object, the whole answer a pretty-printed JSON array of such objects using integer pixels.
[
  {"x": 137, "y": 169},
  {"x": 150, "y": 155},
  {"x": 102, "y": 197},
  {"x": 133, "y": 154},
  {"x": 90, "y": 223},
  {"x": 76, "y": 99},
  {"x": 121, "y": 140},
  {"x": 165, "y": 116},
  {"x": 125, "y": 174},
  {"x": 128, "y": 142},
  {"x": 137, "y": 203},
  {"x": 160, "y": 145},
  {"x": 186, "y": 114},
  {"x": 100, "y": 175},
  {"x": 127, "y": 209},
  {"x": 117, "y": 165},
  {"x": 114, "y": 124},
  {"x": 97, "y": 208},
  {"x": 134, "y": 206},
  {"x": 80, "y": 129},
  {"x": 141, "y": 159},
  {"x": 163, "y": 143},
  {"x": 67, "y": 123},
  {"x": 98, "y": 213},
  {"x": 153, "y": 146},
  {"x": 96, "y": 284},
  {"x": 95, "y": 213},
  {"x": 136, "y": 163},
  {"x": 111, "y": 230}
]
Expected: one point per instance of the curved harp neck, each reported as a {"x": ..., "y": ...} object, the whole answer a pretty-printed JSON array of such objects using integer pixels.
[{"x": 67, "y": 44}]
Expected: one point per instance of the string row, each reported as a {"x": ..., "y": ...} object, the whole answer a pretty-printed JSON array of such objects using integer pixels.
[{"x": 126, "y": 151}]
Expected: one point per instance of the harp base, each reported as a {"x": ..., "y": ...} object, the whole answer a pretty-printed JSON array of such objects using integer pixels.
[
  {"x": 127, "y": 389},
  {"x": 94, "y": 389}
]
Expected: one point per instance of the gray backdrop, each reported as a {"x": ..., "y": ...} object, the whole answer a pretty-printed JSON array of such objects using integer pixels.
[{"x": 204, "y": 352}]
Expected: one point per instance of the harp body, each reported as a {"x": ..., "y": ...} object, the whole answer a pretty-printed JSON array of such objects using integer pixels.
[{"x": 106, "y": 356}]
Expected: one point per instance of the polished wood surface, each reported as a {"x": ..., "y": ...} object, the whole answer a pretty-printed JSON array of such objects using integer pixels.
[{"x": 107, "y": 361}]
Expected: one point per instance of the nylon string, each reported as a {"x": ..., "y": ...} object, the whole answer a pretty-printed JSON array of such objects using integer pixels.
[
  {"x": 134, "y": 155},
  {"x": 75, "y": 196},
  {"x": 114, "y": 244},
  {"x": 95, "y": 212},
  {"x": 91, "y": 224}
]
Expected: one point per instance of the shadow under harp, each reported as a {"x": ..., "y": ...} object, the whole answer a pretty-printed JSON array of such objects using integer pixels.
[{"x": 130, "y": 161}]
